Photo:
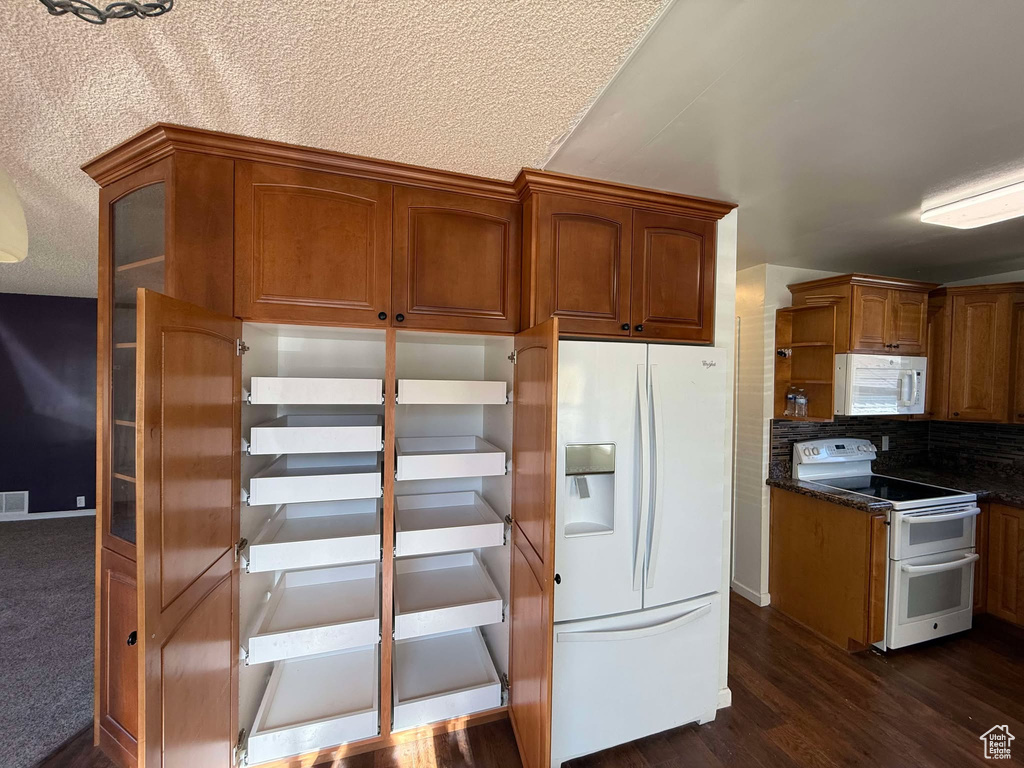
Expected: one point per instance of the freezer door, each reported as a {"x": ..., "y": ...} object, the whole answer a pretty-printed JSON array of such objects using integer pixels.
[
  {"x": 619, "y": 678},
  {"x": 688, "y": 437},
  {"x": 599, "y": 552}
]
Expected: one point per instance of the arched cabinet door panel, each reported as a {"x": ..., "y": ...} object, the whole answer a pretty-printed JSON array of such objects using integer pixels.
[
  {"x": 189, "y": 398},
  {"x": 673, "y": 277},
  {"x": 456, "y": 262},
  {"x": 311, "y": 246}
]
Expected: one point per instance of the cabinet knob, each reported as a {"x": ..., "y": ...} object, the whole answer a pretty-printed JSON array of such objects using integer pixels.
[
  {"x": 133, "y": 638},
  {"x": 382, "y": 315},
  {"x": 895, "y": 346},
  {"x": 640, "y": 328},
  {"x": 956, "y": 413},
  {"x": 399, "y": 317},
  {"x": 625, "y": 326},
  {"x": 1020, "y": 415},
  {"x": 558, "y": 579}
]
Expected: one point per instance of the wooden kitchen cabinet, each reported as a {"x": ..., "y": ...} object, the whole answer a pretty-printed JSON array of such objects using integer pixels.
[
  {"x": 616, "y": 261},
  {"x": 116, "y": 702},
  {"x": 1017, "y": 365},
  {"x": 979, "y": 366},
  {"x": 873, "y": 314},
  {"x": 936, "y": 398},
  {"x": 981, "y": 568},
  {"x": 828, "y": 568},
  {"x": 456, "y": 261},
  {"x": 673, "y": 277},
  {"x": 1006, "y": 563},
  {"x": 311, "y": 246}
]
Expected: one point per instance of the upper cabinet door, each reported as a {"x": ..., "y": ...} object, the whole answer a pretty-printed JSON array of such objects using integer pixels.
[
  {"x": 311, "y": 247},
  {"x": 870, "y": 319},
  {"x": 1017, "y": 365},
  {"x": 673, "y": 277},
  {"x": 581, "y": 265},
  {"x": 909, "y": 310},
  {"x": 979, "y": 367},
  {"x": 188, "y": 505},
  {"x": 456, "y": 262}
]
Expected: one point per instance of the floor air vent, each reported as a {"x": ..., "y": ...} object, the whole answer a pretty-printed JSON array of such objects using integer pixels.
[{"x": 13, "y": 502}]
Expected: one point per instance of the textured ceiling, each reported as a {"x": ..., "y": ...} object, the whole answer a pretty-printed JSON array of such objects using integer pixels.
[
  {"x": 830, "y": 123},
  {"x": 476, "y": 87}
]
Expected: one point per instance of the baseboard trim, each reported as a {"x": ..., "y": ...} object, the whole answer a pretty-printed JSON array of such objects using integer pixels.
[
  {"x": 724, "y": 698},
  {"x": 757, "y": 598},
  {"x": 22, "y": 516}
]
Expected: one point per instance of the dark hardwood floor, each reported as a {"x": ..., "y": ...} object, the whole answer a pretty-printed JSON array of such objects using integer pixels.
[{"x": 796, "y": 702}]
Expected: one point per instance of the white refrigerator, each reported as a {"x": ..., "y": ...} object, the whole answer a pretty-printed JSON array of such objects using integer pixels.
[{"x": 638, "y": 549}]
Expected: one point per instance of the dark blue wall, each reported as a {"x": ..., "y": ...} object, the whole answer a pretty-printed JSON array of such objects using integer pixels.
[{"x": 48, "y": 399}]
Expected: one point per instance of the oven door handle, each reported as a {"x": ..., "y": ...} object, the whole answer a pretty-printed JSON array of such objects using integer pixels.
[
  {"x": 940, "y": 567},
  {"x": 973, "y": 512}
]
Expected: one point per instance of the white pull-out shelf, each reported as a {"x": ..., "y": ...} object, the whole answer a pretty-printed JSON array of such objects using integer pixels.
[
  {"x": 445, "y": 522},
  {"x": 318, "y": 611},
  {"x": 314, "y": 703},
  {"x": 439, "y": 392},
  {"x": 317, "y": 477},
  {"x": 443, "y": 593},
  {"x": 285, "y": 390},
  {"x": 430, "y": 458},
  {"x": 308, "y": 433},
  {"x": 311, "y": 535},
  {"x": 442, "y": 677}
]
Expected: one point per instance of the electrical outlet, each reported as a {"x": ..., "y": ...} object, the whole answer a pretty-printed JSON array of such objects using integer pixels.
[
  {"x": 885, "y": 442},
  {"x": 80, "y": 501}
]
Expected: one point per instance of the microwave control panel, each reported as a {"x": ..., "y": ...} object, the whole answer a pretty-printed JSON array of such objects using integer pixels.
[{"x": 833, "y": 450}]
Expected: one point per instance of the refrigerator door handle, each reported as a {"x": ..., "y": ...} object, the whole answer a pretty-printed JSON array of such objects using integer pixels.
[
  {"x": 658, "y": 438},
  {"x": 645, "y": 476},
  {"x": 604, "y": 635}
]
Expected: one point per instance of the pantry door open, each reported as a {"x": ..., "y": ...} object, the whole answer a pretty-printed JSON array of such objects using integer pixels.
[
  {"x": 187, "y": 499},
  {"x": 533, "y": 545}
]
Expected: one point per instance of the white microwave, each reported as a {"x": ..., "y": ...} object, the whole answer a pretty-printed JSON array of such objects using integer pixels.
[{"x": 879, "y": 385}]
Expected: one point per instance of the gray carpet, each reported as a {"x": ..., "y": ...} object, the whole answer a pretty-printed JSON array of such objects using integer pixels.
[{"x": 46, "y": 635}]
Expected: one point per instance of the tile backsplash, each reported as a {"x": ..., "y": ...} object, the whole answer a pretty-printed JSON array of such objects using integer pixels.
[{"x": 946, "y": 443}]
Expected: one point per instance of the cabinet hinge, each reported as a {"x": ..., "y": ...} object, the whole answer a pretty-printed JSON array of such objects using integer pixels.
[
  {"x": 240, "y": 545},
  {"x": 241, "y": 347},
  {"x": 505, "y": 684},
  {"x": 506, "y": 531},
  {"x": 239, "y": 754},
  {"x": 513, "y": 358}
]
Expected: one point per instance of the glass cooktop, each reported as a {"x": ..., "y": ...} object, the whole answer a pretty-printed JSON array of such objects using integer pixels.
[{"x": 889, "y": 488}]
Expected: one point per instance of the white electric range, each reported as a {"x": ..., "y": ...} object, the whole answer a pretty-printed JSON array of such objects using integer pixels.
[{"x": 930, "y": 588}]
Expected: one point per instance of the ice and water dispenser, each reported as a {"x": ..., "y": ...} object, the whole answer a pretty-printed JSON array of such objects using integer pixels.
[{"x": 590, "y": 489}]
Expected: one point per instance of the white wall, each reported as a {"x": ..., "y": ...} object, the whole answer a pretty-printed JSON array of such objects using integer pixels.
[{"x": 760, "y": 291}]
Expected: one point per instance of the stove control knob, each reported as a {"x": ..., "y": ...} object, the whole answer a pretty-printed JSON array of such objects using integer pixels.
[
  {"x": 815, "y": 451},
  {"x": 807, "y": 451}
]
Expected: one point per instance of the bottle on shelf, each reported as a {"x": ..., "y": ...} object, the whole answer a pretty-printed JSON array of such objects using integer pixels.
[
  {"x": 801, "y": 403},
  {"x": 790, "y": 402}
]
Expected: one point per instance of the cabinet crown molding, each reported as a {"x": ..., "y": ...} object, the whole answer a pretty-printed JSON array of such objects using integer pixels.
[
  {"x": 531, "y": 181},
  {"x": 857, "y": 278},
  {"x": 164, "y": 139},
  {"x": 954, "y": 290}
]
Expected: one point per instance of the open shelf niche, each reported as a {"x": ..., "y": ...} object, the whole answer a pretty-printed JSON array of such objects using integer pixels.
[
  {"x": 453, "y": 441},
  {"x": 310, "y": 596},
  {"x": 805, "y": 358}
]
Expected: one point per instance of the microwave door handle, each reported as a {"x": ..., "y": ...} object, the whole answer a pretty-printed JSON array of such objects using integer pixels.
[
  {"x": 645, "y": 475},
  {"x": 912, "y": 520},
  {"x": 913, "y": 387},
  {"x": 939, "y": 567}
]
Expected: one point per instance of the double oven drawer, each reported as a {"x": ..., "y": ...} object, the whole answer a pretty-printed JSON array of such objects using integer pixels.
[
  {"x": 914, "y": 533},
  {"x": 930, "y": 596}
]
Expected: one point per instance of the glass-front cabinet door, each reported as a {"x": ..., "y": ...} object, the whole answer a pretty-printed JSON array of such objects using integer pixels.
[{"x": 133, "y": 240}]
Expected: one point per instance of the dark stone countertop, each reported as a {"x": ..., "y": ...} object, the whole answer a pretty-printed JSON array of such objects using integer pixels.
[{"x": 990, "y": 483}]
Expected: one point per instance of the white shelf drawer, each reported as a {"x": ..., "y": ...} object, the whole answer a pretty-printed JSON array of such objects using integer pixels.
[
  {"x": 318, "y": 611},
  {"x": 443, "y": 593},
  {"x": 301, "y": 433},
  {"x": 442, "y": 677},
  {"x": 311, "y": 535},
  {"x": 314, "y": 703},
  {"x": 286, "y": 390},
  {"x": 445, "y": 522},
  {"x": 431, "y": 458},
  {"x": 439, "y": 392},
  {"x": 297, "y": 478}
]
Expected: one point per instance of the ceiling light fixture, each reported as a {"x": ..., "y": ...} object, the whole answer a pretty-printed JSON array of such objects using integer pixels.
[
  {"x": 13, "y": 231},
  {"x": 95, "y": 15},
  {"x": 977, "y": 211}
]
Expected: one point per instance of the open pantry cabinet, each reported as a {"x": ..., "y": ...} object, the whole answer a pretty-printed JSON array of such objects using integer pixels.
[{"x": 301, "y": 597}]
